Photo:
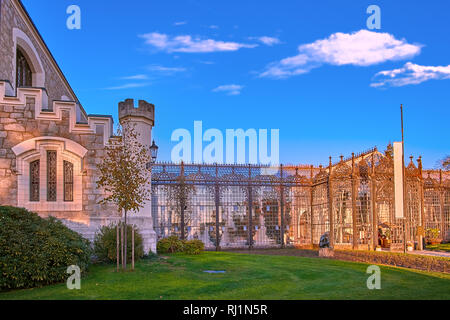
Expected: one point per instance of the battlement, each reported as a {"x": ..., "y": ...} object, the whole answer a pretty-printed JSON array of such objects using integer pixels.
[
  {"x": 42, "y": 110},
  {"x": 144, "y": 110}
]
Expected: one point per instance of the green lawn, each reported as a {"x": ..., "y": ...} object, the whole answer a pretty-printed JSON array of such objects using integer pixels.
[
  {"x": 440, "y": 247},
  {"x": 247, "y": 277}
]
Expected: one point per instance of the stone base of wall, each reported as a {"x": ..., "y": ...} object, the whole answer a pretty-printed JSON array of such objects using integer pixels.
[
  {"x": 88, "y": 230},
  {"x": 145, "y": 227}
]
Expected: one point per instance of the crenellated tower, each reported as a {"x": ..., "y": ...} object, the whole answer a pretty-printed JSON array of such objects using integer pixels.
[{"x": 143, "y": 120}]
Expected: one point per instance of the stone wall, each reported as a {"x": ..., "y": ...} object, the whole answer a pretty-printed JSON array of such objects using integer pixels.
[
  {"x": 13, "y": 124},
  {"x": 25, "y": 115},
  {"x": 10, "y": 19},
  {"x": 18, "y": 124}
]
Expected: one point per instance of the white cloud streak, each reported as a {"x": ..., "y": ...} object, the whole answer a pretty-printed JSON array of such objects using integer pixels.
[
  {"x": 166, "y": 70},
  {"x": 361, "y": 48},
  {"x": 268, "y": 41},
  {"x": 136, "y": 77},
  {"x": 230, "y": 89},
  {"x": 129, "y": 86},
  {"x": 411, "y": 74},
  {"x": 189, "y": 44}
]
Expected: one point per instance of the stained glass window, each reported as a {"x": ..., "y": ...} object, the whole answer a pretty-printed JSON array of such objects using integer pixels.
[
  {"x": 34, "y": 181},
  {"x": 23, "y": 71},
  {"x": 51, "y": 175},
  {"x": 68, "y": 181}
]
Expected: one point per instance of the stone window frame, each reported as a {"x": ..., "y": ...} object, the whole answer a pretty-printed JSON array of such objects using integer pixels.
[
  {"x": 24, "y": 43},
  {"x": 36, "y": 149}
]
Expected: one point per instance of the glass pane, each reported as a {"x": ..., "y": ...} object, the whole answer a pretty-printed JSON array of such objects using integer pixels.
[
  {"x": 23, "y": 71},
  {"x": 68, "y": 181},
  {"x": 34, "y": 181},
  {"x": 51, "y": 175}
]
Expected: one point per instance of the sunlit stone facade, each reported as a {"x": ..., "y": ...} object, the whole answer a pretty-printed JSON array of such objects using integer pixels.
[{"x": 49, "y": 145}]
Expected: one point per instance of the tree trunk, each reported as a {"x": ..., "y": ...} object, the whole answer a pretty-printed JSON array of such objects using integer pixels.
[
  {"x": 122, "y": 248},
  {"x": 132, "y": 249},
  {"x": 182, "y": 221},
  {"x": 118, "y": 248},
  {"x": 125, "y": 242}
]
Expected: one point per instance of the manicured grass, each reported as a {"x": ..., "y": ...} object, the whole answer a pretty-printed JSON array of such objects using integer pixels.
[
  {"x": 247, "y": 277},
  {"x": 440, "y": 247}
]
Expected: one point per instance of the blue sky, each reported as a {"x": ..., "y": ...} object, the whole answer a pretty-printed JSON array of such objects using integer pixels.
[{"x": 309, "y": 68}]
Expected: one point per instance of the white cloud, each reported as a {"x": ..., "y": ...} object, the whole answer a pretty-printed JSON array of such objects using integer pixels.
[
  {"x": 230, "y": 89},
  {"x": 166, "y": 70},
  {"x": 128, "y": 86},
  {"x": 361, "y": 48},
  {"x": 213, "y": 27},
  {"x": 206, "y": 62},
  {"x": 268, "y": 41},
  {"x": 136, "y": 77},
  {"x": 180, "y": 23},
  {"x": 411, "y": 73},
  {"x": 189, "y": 44}
]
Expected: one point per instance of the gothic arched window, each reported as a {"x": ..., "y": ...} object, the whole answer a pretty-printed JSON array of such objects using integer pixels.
[
  {"x": 23, "y": 71},
  {"x": 51, "y": 170}
]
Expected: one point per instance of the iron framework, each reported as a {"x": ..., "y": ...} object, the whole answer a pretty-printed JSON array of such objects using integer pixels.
[{"x": 237, "y": 206}]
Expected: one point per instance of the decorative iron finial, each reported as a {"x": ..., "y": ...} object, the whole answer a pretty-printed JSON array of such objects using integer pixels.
[{"x": 419, "y": 165}]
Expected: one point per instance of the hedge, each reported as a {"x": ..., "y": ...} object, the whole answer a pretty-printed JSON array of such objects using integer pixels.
[
  {"x": 172, "y": 245},
  {"x": 35, "y": 251},
  {"x": 414, "y": 261}
]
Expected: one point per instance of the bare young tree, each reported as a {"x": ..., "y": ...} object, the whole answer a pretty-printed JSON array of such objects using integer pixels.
[
  {"x": 123, "y": 174},
  {"x": 445, "y": 163},
  {"x": 180, "y": 194}
]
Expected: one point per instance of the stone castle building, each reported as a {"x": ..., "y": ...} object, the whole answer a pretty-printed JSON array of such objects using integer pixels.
[
  {"x": 49, "y": 145},
  {"x": 50, "y": 148}
]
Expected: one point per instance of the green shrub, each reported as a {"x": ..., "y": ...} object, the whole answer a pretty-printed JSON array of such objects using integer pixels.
[
  {"x": 405, "y": 260},
  {"x": 432, "y": 233},
  {"x": 172, "y": 245},
  {"x": 35, "y": 251},
  {"x": 193, "y": 247},
  {"x": 105, "y": 245},
  {"x": 169, "y": 245}
]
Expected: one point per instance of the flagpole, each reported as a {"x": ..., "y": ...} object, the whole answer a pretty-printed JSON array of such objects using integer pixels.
[{"x": 403, "y": 182}]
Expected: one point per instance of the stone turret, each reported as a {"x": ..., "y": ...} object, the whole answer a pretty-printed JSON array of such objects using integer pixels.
[
  {"x": 143, "y": 120},
  {"x": 144, "y": 112}
]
